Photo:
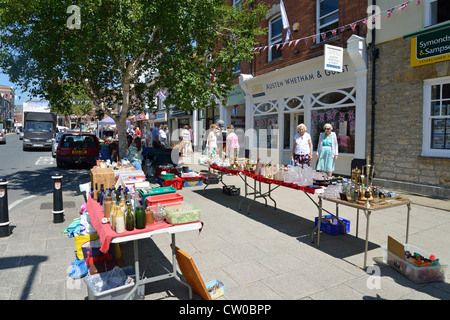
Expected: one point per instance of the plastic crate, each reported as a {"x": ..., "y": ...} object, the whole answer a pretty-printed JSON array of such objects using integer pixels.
[
  {"x": 183, "y": 213},
  {"x": 412, "y": 272},
  {"x": 167, "y": 176},
  {"x": 156, "y": 191},
  {"x": 211, "y": 179},
  {"x": 118, "y": 293},
  {"x": 231, "y": 190},
  {"x": 332, "y": 226},
  {"x": 164, "y": 199}
]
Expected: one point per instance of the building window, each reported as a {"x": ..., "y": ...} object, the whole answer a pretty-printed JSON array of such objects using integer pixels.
[
  {"x": 437, "y": 11},
  {"x": 266, "y": 127},
  {"x": 327, "y": 18},
  {"x": 338, "y": 108},
  {"x": 275, "y": 38},
  {"x": 436, "y": 117}
]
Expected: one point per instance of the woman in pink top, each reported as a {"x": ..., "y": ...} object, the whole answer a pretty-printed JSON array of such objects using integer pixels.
[{"x": 232, "y": 148}]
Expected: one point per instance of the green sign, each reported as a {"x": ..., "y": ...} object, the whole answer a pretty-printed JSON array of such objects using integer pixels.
[{"x": 430, "y": 47}]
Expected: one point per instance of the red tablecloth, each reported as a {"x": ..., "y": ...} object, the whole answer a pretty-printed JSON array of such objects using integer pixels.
[
  {"x": 105, "y": 232},
  {"x": 226, "y": 170},
  {"x": 258, "y": 177},
  {"x": 158, "y": 171}
]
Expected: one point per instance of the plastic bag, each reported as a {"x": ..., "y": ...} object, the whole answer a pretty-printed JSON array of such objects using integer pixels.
[
  {"x": 85, "y": 224},
  {"x": 110, "y": 280}
]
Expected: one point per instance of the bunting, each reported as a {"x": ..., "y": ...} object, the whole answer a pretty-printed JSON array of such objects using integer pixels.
[{"x": 341, "y": 29}]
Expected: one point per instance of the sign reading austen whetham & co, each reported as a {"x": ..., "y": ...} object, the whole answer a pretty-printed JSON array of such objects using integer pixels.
[{"x": 430, "y": 47}]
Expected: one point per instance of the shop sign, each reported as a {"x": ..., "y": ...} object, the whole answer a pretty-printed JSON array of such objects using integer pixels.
[
  {"x": 430, "y": 48},
  {"x": 298, "y": 76},
  {"x": 161, "y": 116},
  {"x": 142, "y": 116},
  {"x": 236, "y": 96},
  {"x": 334, "y": 57}
]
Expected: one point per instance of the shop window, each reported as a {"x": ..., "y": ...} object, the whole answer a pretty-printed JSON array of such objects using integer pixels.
[
  {"x": 339, "y": 109},
  {"x": 287, "y": 131},
  {"x": 437, "y": 11},
  {"x": 327, "y": 18},
  {"x": 275, "y": 38},
  {"x": 436, "y": 125},
  {"x": 266, "y": 127}
]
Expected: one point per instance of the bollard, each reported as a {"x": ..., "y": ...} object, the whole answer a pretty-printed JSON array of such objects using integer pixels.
[
  {"x": 4, "y": 211},
  {"x": 58, "y": 211}
]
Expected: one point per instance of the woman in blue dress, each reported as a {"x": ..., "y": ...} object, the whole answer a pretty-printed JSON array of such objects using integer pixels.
[{"x": 327, "y": 150}]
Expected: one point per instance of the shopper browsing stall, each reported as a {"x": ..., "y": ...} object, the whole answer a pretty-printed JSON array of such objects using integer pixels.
[
  {"x": 163, "y": 136},
  {"x": 302, "y": 147},
  {"x": 327, "y": 150},
  {"x": 232, "y": 147},
  {"x": 134, "y": 153},
  {"x": 211, "y": 142}
]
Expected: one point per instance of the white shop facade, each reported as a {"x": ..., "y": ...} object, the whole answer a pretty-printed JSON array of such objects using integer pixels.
[{"x": 276, "y": 102}]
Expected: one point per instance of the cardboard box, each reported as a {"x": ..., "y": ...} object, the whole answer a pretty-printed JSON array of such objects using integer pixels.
[{"x": 103, "y": 176}]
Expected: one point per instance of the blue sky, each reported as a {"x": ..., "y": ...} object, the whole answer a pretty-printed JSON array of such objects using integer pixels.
[{"x": 4, "y": 80}]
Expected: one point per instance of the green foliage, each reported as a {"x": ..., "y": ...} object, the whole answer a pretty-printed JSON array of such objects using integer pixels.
[{"x": 125, "y": 50}]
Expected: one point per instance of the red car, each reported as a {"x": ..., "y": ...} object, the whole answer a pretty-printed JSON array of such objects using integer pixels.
[{"x": 77, "y": 148}]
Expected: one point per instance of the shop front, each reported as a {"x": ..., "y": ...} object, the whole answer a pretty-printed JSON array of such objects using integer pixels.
[{"x": 278, "y": 101}]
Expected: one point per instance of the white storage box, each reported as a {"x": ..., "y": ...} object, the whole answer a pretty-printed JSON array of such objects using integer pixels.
[
  {"x": 412, "y": 272},
  {"x": 118, "y": 293}
]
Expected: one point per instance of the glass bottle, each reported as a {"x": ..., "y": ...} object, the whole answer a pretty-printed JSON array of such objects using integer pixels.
[
  {"x": 112, "y": 218},
  {"x": 107, "y": 204},
  {"x": 96, "y": 192},
  {"x": 148, "y": 216},
  {"x": 139, "y": 214},
  {"x": 102, "y": 194},
  {"x": 129, "y": 218},
  {"x": 119, "y": 220},
  {"x": 159, "y": 214}
]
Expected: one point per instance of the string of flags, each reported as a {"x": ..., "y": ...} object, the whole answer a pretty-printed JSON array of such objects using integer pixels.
[
  {"x": 341, "y": 29},
  {"x": 330, "y": 115}
]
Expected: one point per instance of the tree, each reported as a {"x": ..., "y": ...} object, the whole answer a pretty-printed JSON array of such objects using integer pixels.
[{"x": 122, "y": 51}]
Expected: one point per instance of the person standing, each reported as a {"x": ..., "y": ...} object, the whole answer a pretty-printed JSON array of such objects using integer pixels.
[
  {"x": 302, "y": 148},
  {"x": 186, "y": 140},
  {"x": 163, "y": 136},
  {"x": 134, "y": 153},
  {"x": 155, "y": 136},
  {"x": 232, "y": 141},
  {"x": 327, "y": 150},
  {"x": 211, "y": 142}
]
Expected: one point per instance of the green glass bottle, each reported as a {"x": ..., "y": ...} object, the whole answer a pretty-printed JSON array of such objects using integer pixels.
[
  {"x": 139, "y": 214},
  {"x": 129, "y": 218}
]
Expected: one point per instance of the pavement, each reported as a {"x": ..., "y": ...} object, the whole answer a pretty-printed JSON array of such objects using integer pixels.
[{"x": 264, "y": 255}]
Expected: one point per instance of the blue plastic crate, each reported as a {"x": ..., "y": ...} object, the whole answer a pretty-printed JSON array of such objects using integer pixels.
[{"x": 332, "y": 226}]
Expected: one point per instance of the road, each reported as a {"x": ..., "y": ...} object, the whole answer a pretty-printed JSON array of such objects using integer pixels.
[{"x": 29, "y": 173}]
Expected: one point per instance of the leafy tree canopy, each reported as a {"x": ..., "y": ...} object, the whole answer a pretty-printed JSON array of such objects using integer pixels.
[{"x": 122, "y": 51}]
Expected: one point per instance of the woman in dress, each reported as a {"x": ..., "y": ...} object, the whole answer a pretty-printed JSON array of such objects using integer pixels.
[
  {"x": 327, "y": 150},
  {"x": 211, "y": 142},
  {"x": 302, "y": 147}
]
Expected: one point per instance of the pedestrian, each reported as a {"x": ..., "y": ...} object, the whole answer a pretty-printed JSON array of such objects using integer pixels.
[
  {"x": 186, "y": 140},
  {"x": 191, "y": 132},
  {"x": 163, "y": 136},
  {"x": 327, "y": 150},
  {"x": 302, "y": 148},
  {"x": 134, "y": 153},
  {"x": 221, "y": 138},
  {"x": 232, "y": 143},
  {"x": 211, "y": 142},
  {"x": 155, "y": 136}
]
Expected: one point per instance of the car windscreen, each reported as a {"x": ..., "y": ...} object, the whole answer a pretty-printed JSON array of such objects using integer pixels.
[
  {"x": 74, "y": 141},
  {"x": 38, "y": 126}
]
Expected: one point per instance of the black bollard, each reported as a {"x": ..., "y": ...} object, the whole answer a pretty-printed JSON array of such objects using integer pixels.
[
  {"x": 4, "y": 211},
  {"x": 58, "y": 211}
]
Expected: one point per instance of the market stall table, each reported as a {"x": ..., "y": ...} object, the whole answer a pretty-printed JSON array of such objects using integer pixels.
[
  {"x": 221, "y": 171},
  {"x": 108, "y": 236},
  {"x": 389, "y": 203}
]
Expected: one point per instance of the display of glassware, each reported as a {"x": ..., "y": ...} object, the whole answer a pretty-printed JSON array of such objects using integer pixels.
[
  {"x": 332, "y": 191},
  {"x": 159, "y": 214},
  {"x": 301, "y": 175}
]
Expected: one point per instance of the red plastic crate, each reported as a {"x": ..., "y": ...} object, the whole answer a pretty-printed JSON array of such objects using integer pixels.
[{"x": 164, "y": 199}]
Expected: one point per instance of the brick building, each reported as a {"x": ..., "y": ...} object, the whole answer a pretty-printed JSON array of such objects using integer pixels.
[
  {"x": 411, "y": 143},
  {"x": 286, "y": 83}
]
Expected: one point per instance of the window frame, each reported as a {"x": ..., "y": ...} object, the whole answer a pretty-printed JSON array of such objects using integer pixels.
[
  {"x": 427, "y": 151},
  {"x": 319, "y": 26},
  {"x": 430, "y": 19},
  {"x": 274, "y": 40}
]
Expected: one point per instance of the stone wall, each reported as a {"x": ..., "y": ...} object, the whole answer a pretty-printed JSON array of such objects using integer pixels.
[{"x": 398, "y": 121}]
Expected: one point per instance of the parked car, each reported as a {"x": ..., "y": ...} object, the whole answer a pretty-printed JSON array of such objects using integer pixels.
[
  {"x": 2, "y": 137},
  {"x": 55, "y": 143},
  {"x": 77, "y": 148}
]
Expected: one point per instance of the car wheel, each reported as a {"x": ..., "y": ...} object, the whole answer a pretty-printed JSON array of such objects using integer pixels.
[{"x": 59, "y": 163}]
